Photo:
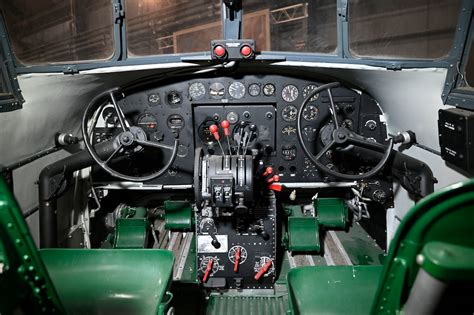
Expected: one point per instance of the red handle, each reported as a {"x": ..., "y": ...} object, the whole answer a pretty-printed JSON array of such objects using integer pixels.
[
  {"x": 275, "y": 178},
  {"x": 275, "y": 187},
  {"x": 215, "y": 131},
  {"x": 225, "y": 125},
  {"x": 208, "y": 270},
  {"x": 268, "y": 171},
  {"x": 262, "y": 270},
  {"x": 237, "y": 260}
]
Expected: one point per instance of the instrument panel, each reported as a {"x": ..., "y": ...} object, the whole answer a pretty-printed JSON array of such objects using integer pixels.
[{"x": 270, "y": 102}]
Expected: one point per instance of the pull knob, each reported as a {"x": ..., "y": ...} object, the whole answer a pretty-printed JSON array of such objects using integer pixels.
[
  {"x": 215, "y": 131},
  {"x": 275, "y": 178},
  {"x": 226, "y": 126}
]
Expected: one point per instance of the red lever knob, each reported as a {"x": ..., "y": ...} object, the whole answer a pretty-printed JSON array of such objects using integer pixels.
[
  {"x": 275, "y": 178},
  {"x": 208, "y": 270},
  {"x": 225, "y": 125},
  {"x": 215, "y": 131},
  {"x": 275, "y": 187},
  {"x": 268, "y": 171},
  {"x": 237, "y": 260},
  {"x": 264, "y": 269}
]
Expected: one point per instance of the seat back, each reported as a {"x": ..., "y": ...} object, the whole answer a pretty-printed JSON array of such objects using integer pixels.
[
  {"x": 24, "y": 279},
  {"x": 445, "y": 216}
]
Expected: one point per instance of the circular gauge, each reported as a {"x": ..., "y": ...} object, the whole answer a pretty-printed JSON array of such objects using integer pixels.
[
  {"x": 154, "y": 98},
  {"x": 290, "y": 93},
  {"x": 175, "y": 122},
  {"x": 308, "y": 89},
  {"x": 147, "y": 122},
  {"x": 288, "y": 130},
  {"x": 268, "y": 89},
  {"x": 254, "y": 89},
  {"x": 205, "y": 261},
  {"x": 109, "y": 115},
  {"x": 233, "y": 252},
  {"x": 310, "y": 133},
  {"x": 261, "y": 262},
  {"x": 203, "y": 131},
  {"x": 237, "y": 90},
  {"x": 289, "y": 113},
  {"x": 232, "y": 117},
  {"x": 217, "y": 90},
  {"x": 197, "y": 90},
  {"x": 310, "y": 113},
  {"x": 174, "y": 98}
]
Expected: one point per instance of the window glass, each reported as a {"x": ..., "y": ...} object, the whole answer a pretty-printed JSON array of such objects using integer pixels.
[
  {"x": 51, "y": 31},
  {"x": 402, "y": 28},
  {"x": 297, "y": 26},
  {"x": 166, "y": 27}
]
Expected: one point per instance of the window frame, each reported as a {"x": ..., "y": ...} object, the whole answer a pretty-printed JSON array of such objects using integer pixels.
[{"x": 342, "y": 54}]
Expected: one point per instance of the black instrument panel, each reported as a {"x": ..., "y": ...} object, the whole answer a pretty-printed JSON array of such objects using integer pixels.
[{"x": 271, "y": 102}]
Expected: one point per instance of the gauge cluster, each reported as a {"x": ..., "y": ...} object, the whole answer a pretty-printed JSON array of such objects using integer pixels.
[{"x": 270, "y": 102}]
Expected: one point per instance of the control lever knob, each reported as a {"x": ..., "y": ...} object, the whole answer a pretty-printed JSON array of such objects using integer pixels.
[
  {"x": 215, "y": 243},
  {"x": 226, "y": 126},
  {"x": 215, "y": 131},
  {"x": 275, "y": 178},
  {"x": 268, "y": 171},
  {"x": 253, "y": 128}
]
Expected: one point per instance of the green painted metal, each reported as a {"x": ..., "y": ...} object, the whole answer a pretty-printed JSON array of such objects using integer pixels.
[
  {"x": 178, "y": 215},
  {"x": 131, "y": 233},
  {"x": 24, "y": 281},
  {"x": 332, "y": 289},
  {"x": 111, "y": 281},
  {"x": 303, "y": 234},
  {"x": 446, "y": 216},
  {"x": 448, "y": 262},
  {"x": 332, "y": 213},
  {"x": 238, "y": 304}
]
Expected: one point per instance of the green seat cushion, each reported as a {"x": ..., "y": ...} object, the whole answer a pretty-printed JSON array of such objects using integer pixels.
[
  {"x": 109, "y": 281},
  {"x": 333, "y": 289}
]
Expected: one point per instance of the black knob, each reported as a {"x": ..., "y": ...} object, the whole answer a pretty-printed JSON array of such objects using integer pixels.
[
  {"x": 265, "y": 235},
  {"x": 253, "y": 127},
  {"x": 215, "y": 243}
]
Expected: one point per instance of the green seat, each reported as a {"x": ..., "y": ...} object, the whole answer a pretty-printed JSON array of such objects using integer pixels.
[
  {"x": 76, "y": 281},
  {"x": 440, "y": 224},
  {"x": 325, "y": 290}
]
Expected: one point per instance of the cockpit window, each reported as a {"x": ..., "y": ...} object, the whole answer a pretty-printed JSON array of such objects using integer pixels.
[
  {"x": 469, "y": 71},
  {"x": 294, "y": 25},
  {"x": 58, "y": 31},
  {"x": 403, "y": 28},
  {"x": 166, "y": 27}
]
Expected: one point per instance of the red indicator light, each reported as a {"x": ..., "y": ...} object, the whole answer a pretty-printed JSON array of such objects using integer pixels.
[
  {"x": 219, "y": 51},
  {"x": 246, "y": 51}
]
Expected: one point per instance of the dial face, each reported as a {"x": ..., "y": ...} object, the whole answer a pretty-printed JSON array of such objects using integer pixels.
[
  {"x": 233, "y": 251},
  {"x": 205, "y": 261},
  {"x": 260, "y": 263},
  {"x": 290, "y": 93},
  {"x": 288, "y": 130},
  {"x": 154, "y": 98},
  {"x": 237, "y": 90},
  {"x": 308, "y": 89},
  {"x": 289, "y": 113},
  {"x": 326, "y": 134},
  {"x": 217, "y": 90},
  {"x": 110, "y": 115},
  {"x": 310, "y": 113},
  {"x": 254, "y": 89},
  {"x": 147, "y": 122},
  {"x": 268, "y": 89},
  {"x": 197, "y": 90},
  {"x": 174, "y": 98}
]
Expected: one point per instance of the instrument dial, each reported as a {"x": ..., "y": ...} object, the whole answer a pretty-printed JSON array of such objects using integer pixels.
[
  {"x": 308, "y": 89},
  {"x": 254, "y": 89},
  {"x": 147, "y": 122},
  {"x": 289, "y": 113},
  {"x": 310, "y": 113},
  {"x": 109, "y": 115},
  {"x": 174, "y": 98},
  {"x": 154, "y": 98},
  {"x": 268, "y": 89},
  {"x": 197, "y": 90},
  {"x": 288, "y": 130},
  {"x": 217, "y": 90},
  {"x": 232, "y": 252},
  {"x": 237, "y": 90},
  {"x": 290, "y": 93}
]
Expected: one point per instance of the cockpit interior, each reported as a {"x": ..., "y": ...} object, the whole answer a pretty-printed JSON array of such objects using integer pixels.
[{"x": 232, "y": 157}]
